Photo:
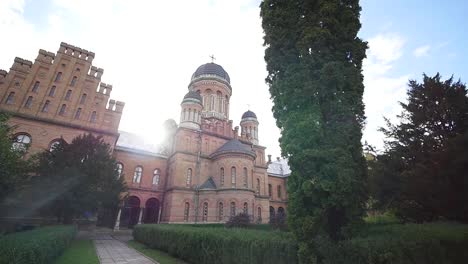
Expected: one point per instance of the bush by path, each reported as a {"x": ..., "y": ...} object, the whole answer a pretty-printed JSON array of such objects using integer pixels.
[{"x": 39, "y": 246}]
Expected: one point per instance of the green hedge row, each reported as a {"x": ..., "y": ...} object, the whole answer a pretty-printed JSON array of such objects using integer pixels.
[
  {"x": 434, "y": 243},
  {"x": 38, "y": 246},
  {"x": 218, "y": 245}
]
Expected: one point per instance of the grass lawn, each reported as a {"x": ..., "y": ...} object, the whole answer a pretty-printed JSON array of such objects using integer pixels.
[
  {"x": 159, "y": 256},
  {"x": 81, "y": 251}
]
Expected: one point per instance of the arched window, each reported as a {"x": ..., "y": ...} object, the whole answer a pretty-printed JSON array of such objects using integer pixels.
[
  {"x": 119, "y": 169},
  {"x": 68, "y": 95},
  {"x": 279, "y": 191},
  {"x": 258, "y": 186},
  {"x": 54, "y": 144},
  {"x": 221, "y": 176},
  {"x": 52, "y": 91},
  {"x": 245, "y": 177},
  {"x": 93, "y": 117},
  {"x": 35, "y": 87},
  {"x": 58, "y": 77},
  {"x": 137, "y": 174},
  {"x": 233, "y": 209},
  {"x": 156, "y": 177},
  {"x": 11, "y": 98},
  {"x": 78, "y": 113},
  {"x": 73, "y": 81},
  {"x": 186, "y": 211},
  {"x": 270, "y": 190},
  {"x": 63, "y": 108},
  {"x": 83, "y": 98},
  {"x": 246, "y": 208},
  {"x": 220, "y": 211},
  {"x": 21, "y": 142},
  {"x": 45, "y": 107},
  {"x": 188, "y": 180},
  {"x": 233, "y": 176},
  {"x": 205, "y": 212},
  {"x": 259, "y": 214},
  {"x": 28, "y": 102}
]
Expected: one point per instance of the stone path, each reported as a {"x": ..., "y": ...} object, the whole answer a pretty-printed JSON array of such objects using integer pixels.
[{"x": 113, "y": 251}]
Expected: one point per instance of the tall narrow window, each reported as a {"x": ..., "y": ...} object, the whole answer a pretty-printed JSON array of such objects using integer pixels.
[
  {"x": 35, "y": 87},
  {"x": 270, "y": 190},
  {"x": 119, "y": 169},
  {"x": 73, "y": 81},
  {"x": 233, "y": 209},
  {"x": 259, "y": 214},
  {"x": 93, "y": 117},
  {"x": 222, "y": 176},
  {"x": 245, "y": 177},
  {"x": 233, "y": 176},
  {"x": 279, "y": 191},
  {"x": 246, "y": 208},
  {"x": 58, "y": 77},
  {"x": 188, "y": 181},
  {"x": 28, "y": 102},
  {"x": 83, "y": 98},
  {"x": 137, "y": 174},
  {"x": 186, "y": 211},
  {"x": 258, "y": 186},
  {"x": 78, "y": 113},
  {"x": 21, "y": 142},
  {"x": 205, "y": 212},
  {"x": 220, "y": 211},
  {"x": 11, "y": 98},
  {"x": 52, "y": 91},
  {"x": 156, "y": 177},
  {"x": 68, "y": 95},
  {"x": 45, "y": 107},
  {"x": 63, "y": 108}
]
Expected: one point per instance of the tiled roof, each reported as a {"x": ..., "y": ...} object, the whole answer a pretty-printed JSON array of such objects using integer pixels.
[
  {"x": 249, "y": 114},
  {"x": 234, "y": 146},
  {"x": 132, "y": 142},
  {"x": 193, "y": 95},
  {"x": 208, "y": 184},
  {"x": 211, "y": 69},
  {"x": 279, "y": 168}
]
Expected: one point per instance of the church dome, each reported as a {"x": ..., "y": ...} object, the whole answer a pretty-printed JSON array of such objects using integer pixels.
[
  {"x": 211, "y": 69},
  {"x": 234, "y": 146},
  {"x": 193, "y": 95},
  {"x": 249, "y": 114}
]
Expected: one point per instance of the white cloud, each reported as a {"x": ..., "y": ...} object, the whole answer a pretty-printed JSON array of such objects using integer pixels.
[
  {"x": 383, "y": 91},
  {"x": 422, "y": 51}
]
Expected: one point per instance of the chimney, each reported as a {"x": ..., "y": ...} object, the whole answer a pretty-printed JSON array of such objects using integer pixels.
[{"x": 269, "y": 159}]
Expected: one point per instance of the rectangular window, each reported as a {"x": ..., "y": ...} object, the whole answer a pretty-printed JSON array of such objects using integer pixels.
[
  {"x": 28, "y": 102},
  {"x": 68, "y": 95},
  {"x": 45, "y": 108},
  {"x": 63, "y": 108},
  {"x": 52, "y": 91},
  {"x": 58, "y": 77},
  {"x": 78, "y": 113},
  {"x": 11, "y": 98},
  {"x": 35, "y": 87}
]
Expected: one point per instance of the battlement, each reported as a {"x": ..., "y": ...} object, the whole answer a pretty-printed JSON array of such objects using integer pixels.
[
  {"x": 119, "y": 106},
  {"x": 96, "y": 72},
  {"x": 76, "y": 52},
  {"x": 45, "y": 56},
  {"x": 3, "y": 74},
  {"x": 21, "y": 65},
  {"x": 105, "y": 88}
]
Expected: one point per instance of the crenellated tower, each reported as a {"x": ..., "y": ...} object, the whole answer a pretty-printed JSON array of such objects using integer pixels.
[{"x": 249, "y": 127}]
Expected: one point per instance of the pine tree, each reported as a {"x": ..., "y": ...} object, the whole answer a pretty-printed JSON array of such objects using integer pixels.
[{"x": 314, "y": 62}]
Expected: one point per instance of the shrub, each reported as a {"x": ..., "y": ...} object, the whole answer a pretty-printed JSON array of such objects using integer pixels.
[
  {"x": 219, "y": 245},
  {"x": 38, "y": 246},
  {"x": 241, "y": 220}
]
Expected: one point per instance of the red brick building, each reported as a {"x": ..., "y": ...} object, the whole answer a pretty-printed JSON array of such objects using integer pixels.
[{"x": 205, "y": 171}]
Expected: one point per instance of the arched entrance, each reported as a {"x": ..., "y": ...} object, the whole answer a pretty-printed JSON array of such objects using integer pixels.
[
  {"x": 272, "y": 214},
  {"x": 130, "y": 212},
  {"x": 281, "y": 218},
  {"x": 152, "y": 211}
]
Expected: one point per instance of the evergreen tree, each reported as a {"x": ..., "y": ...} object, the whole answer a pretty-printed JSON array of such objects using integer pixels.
[
  {"x": 78, "y": 178},
  {"x": 314, "y": 62},
  {"x": 426, "y": 153}
]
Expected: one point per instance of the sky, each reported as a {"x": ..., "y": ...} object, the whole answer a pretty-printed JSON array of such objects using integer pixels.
[{"x": 149, "y": 49}]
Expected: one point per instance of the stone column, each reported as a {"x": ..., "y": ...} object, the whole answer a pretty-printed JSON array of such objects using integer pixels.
[
  {"x": 141, "y": 215},
  {"x": 117, "y": 221}
]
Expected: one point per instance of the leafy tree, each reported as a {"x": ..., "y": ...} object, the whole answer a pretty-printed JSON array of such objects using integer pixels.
[
  {"x": 79, "y": 178},
  {"x": 13, "y": 168},
  {"x": 426, "y": 155},
  {"x": 314, "y": 62}
]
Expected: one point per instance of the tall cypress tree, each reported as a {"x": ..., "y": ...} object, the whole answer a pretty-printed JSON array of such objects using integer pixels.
[{"x": 314, "y": 62}]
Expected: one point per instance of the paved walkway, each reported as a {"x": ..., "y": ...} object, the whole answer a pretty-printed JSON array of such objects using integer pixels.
[{"x": 112, "y": 249}]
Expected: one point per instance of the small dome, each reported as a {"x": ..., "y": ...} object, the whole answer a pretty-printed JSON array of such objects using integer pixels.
[
  {"x": 234, "y": 146},
  {"x": 211, "y": 69},
  {"x": 249, "y": 114},
  {"x": 193, "y": 95}
]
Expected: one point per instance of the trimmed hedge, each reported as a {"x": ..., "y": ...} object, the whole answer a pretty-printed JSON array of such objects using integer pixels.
[
  {"x": 39, "y": 246},
  {"x": 218, "y": 245}
]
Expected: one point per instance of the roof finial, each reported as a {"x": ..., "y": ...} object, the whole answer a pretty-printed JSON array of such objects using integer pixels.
[{"x": 212, "y": 58}]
